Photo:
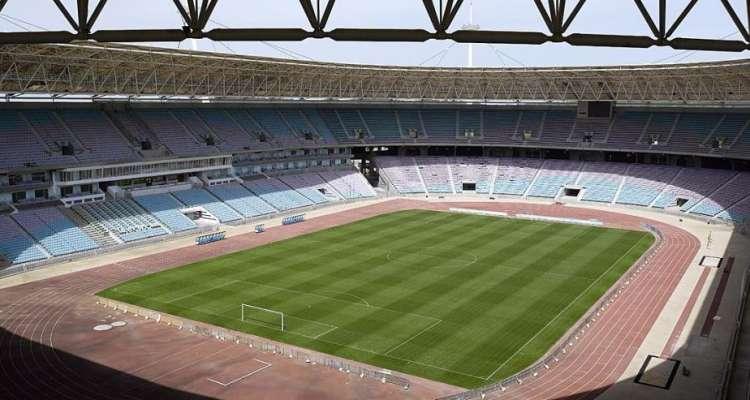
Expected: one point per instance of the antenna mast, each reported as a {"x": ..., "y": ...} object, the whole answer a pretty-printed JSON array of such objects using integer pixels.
[{"x": 471, "y": 27}]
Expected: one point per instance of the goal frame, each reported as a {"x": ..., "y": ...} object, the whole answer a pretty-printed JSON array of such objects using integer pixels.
[{"x": 243, "y": 305}]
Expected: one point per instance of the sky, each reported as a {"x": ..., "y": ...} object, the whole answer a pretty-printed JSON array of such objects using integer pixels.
[{"x": 707, "y": 20}]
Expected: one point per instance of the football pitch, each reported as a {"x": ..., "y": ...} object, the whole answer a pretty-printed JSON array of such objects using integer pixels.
[{"x": 462, "y": 299}]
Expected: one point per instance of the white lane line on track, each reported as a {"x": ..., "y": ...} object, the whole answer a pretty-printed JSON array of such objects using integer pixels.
[
  {"x": 543, "y": 389},
  {"x": 251, "y": 373}
]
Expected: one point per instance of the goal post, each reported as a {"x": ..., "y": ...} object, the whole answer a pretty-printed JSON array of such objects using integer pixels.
[{"x": 255, "y": 314}]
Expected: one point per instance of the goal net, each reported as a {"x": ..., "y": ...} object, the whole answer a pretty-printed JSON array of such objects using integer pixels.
[{"x": 263, "y": 316}]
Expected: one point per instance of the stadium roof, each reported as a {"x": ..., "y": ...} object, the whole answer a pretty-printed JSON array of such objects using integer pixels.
[
  {"x": 558, "y": 16},
  {"x": 115, "y": 70}
]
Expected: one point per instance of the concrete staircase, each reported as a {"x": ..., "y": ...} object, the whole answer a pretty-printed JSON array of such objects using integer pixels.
[{"x": 96, "y": 232}]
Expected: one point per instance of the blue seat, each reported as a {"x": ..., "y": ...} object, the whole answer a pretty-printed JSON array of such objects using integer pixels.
[
  {"x": 167, "y": 210},
  {"x": 54, "y": 231},
  {"x": 15, "y": 245},
  {"x": 201, "y": 198},
  {"x": 277, "y": 194},
  {"x": 242, "y": 200}
]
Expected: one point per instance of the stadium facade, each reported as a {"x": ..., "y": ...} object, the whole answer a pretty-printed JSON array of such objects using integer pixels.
[{"x": 107, "y": 145}]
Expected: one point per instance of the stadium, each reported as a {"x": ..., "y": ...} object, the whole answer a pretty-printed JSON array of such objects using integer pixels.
[{"x": 182, "y": 219}]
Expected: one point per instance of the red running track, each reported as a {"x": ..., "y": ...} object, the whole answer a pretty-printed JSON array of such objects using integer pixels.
[
  {"x": 603, "y": 353},
  {"x": 47, "y": 347}
]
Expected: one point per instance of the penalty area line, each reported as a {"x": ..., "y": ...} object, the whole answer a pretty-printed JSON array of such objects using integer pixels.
[
  {"x": 326, "y": 332},
  {"x": 413, "y": 337},
  {"x": 351, "y": 346}
]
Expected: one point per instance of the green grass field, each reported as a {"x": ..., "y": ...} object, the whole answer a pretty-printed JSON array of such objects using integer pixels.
[{"x": 462, "y": 299}]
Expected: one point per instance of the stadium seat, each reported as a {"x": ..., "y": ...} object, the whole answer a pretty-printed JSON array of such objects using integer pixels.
[
  {"x": 15, "y": 245},
  {"x": 402, "y": 173},
  {"x": 54, "y": 231},
  {"x": 201, "y": 198},
  {"x": 277, "y": 194},
  {"x": 644, "y": 183},
  {"x": 123, "y": 218},
  {"x": 601, "y": 181},
  {"x": 167, "y": 210},
  {"x": 311, "y": 186},
  {"x": 553, "y": 176},
  {"x": 242, "y": 200},
  {"x": 349, "y": 184},
  {"x": 514, "y": 176}
]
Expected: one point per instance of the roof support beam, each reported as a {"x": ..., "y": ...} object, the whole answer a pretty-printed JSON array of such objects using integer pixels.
[
  {"x": 206, "y": 13},
  {"x": 557, "y": 15},
  {"x": 450, "y": 13},
  {"x": 560, "y": 14},
  {"x": 182, "y": 11},
  {"x": 66, "y": 14},
  {"x": 647, "y": 17},
  {"x": 679, "y": 19},
  {"x": 544, "y": 14},
  {"x": 432, "y": 13},
  {"x": 196, "y": 16},
  {"x": 326, "y": 13},
  {"x": 317, "y": 19},
  {"x": 95, "y": 14},
  {"x": 554, "y": 17},
  {"x": 736, "y": 19},
  {"x": 573, "y": 15},
  {"x": 662, "y": 18},
  {"x": 193, "y": 12},
  {"x": 307, "y": 7},
  {"x": 83, "y": 15}
]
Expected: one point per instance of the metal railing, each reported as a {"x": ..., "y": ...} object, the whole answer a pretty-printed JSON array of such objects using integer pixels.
[
  {"x": 266, "y": 346},
  {"x": 26, "y": 267}
]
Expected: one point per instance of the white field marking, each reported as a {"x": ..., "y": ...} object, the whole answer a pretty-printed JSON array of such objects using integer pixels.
[
  {"x": 346, "y": 294},
  {"x": 335, "y": 299},
  {"x": 505, "y": 266},
  {"x": 475, "y": 259},
  {"x": 413, "y": 337},
  {"x": 426, "y": 220},
  {"x": 265, "y": 365},
  {"x": 399, "y": 358},
  {"x": 362, "y": 349},
  {"x": 563, "y": 310},
  {"x": 552, "y": 274},
  {"x": 333, "y": 245},
  {"x": 326, "y": 332},
  {"x": 232, "y": 282},
  {"x": 329, "y": 326}
]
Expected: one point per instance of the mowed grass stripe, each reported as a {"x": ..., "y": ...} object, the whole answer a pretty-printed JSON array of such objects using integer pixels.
[
  {"x": 553, "y": 332},
  {"x": 346, "y": 270},
  {"x": 416, "y": 298},
  {"x": 383, "y": 330},
  {"x": 570, "y": 304},
  {"x": 556, "y": 296},
  {"x": 194, "y": 273},
  {"x": 477, "y": 306},
  {"x": 445, "y": 296}
]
